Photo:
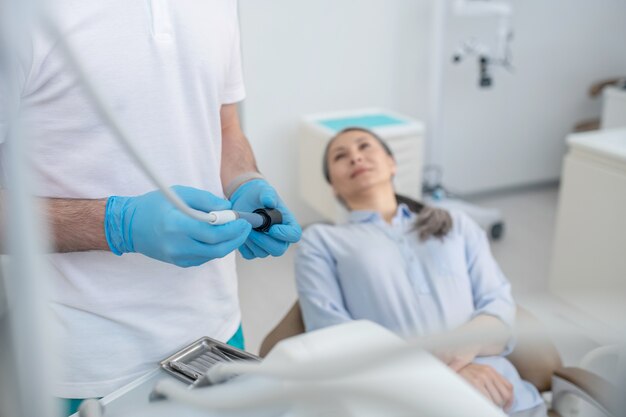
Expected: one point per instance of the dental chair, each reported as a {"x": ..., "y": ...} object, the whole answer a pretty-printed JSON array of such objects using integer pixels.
[{"x": 537, "y": 361}]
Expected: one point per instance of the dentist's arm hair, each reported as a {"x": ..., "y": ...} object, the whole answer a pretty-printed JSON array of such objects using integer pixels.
[
  {"x": 74, "y": 225},
  {"x": 237, "y": 155}
]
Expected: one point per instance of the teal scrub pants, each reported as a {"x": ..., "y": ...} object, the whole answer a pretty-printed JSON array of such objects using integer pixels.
[{"x": 70, "y": 405}]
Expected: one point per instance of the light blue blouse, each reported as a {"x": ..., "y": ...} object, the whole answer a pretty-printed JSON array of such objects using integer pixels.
[{"x": 369, "y": 269}]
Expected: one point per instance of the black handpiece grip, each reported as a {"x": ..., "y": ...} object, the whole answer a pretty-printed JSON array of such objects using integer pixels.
[{"x": 270, "y": 217}]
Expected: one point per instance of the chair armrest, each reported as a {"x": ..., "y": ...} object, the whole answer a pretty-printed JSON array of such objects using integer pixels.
[
  {"x": 291, "y": 325},
  {"x": 587, "y": 386}
]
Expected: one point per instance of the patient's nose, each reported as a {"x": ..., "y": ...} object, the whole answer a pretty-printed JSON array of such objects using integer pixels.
[{"x": 355, "y": 157}]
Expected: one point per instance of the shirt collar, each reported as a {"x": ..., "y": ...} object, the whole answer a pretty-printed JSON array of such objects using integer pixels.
[{"x": 368, "y": 216}]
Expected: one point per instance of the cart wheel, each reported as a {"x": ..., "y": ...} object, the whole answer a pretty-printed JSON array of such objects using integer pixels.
[{"x": 497, "y": 230}]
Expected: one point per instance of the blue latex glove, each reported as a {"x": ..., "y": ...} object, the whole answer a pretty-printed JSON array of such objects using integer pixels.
[
  {"x": 257, "y": 194},
  {"x": 151, "y": 225}
]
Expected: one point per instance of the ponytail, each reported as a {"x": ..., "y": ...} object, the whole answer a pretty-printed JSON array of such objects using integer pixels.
[
  {"x": 431, "y": 221},
  {"x": 415, "y": 206}
]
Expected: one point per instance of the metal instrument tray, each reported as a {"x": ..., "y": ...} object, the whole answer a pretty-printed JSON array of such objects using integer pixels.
[{"x": 191, "y": 362}]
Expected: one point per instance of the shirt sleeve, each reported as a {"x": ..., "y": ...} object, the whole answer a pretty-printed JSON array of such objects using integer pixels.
[
  {"x": 491, "y": 291},
  {"x": 319, "y": 292},
  {"x": 233, "y": 90}
]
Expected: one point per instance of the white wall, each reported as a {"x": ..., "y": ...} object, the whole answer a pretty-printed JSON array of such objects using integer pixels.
[
  {"x": 302, "y": 57},
  {"x": 514, "y": 134}
]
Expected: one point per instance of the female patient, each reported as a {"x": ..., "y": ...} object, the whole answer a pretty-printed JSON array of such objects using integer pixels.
[{"x": 387, "y": 266}]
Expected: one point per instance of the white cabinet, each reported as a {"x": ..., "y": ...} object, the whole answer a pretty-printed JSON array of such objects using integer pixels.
[
  {"x": 404, "y": 136},
  {"x": 589, "y": 258}
]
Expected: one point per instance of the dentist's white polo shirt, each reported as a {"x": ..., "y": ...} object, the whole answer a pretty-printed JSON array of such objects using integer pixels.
[{"x": 165, "y": 67}]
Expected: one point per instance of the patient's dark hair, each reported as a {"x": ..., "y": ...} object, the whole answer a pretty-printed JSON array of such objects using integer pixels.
[{"x": 413, "y": 205}]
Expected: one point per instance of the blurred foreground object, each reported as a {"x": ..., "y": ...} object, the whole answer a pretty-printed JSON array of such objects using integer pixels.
[{"x": 535, "y": 357}]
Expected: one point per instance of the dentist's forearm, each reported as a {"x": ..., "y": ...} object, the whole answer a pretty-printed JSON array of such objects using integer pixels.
[
  {"x": 76, "y": 225},
  {"x": 237, "y": 155}
]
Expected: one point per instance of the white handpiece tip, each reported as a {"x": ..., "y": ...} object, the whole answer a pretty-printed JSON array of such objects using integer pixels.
[{"x": 221, "y": 217}]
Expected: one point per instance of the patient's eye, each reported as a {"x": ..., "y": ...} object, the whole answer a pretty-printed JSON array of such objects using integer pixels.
[
  {"x": 339, "y": 156},
  {"x": 364, "y": 145}
]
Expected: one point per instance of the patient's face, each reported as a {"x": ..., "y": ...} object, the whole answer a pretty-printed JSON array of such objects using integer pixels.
[{"x": 358, "y": 163}]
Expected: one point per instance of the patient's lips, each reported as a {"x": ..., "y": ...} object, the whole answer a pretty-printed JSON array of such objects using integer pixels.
[{"x": 359, "y": 171}]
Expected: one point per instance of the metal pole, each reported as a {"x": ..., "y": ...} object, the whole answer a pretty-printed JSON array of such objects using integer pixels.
[
  {"x": 434, "y": 134},
  {"x": 25, "y": 236}
]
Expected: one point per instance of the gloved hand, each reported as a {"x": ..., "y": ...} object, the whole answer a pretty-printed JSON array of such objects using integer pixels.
[
  {"x": 433, "y": 221},
  {"x": 256, "y": 194},
  {"x": 151, "y": 225}
]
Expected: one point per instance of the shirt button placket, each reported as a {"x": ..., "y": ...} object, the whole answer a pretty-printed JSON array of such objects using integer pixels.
[{"x": 417, "y": 276}]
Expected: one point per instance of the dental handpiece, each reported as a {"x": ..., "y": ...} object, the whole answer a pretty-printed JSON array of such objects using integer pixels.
[{"x": 261, "y": 219}]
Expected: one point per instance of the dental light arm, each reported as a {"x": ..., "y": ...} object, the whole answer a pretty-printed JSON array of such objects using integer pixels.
[{"x": 471, "y": 47}]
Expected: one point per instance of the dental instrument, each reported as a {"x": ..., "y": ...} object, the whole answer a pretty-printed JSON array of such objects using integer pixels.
[{"x": 261, "y": 219}]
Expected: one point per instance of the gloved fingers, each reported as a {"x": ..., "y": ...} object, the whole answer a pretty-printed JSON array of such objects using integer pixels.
[
  {"x": 270, "y": 245},
  {"x": 258, "y": 193},
  {"x": 289, "y": 230},
  {"x": 200, "y": 199},
  {"x": 187, "y": 260},
  {"x": 215, "y": 250},
  {"x": 286, "y": 232},
  {"x": 257, "y": 250},
  {"x": 212, "y": 235},
  {"x": 250, "y": 194},
  {"x": 269, "y": 197},
  {"x": 189, "y": 252},
  {"x": 246, "y": 252}
]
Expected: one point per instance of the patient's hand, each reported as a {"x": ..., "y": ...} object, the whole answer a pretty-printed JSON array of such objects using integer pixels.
[
  {"x": 457, "y": 358},
  {"x": 490, "y": 383}
]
